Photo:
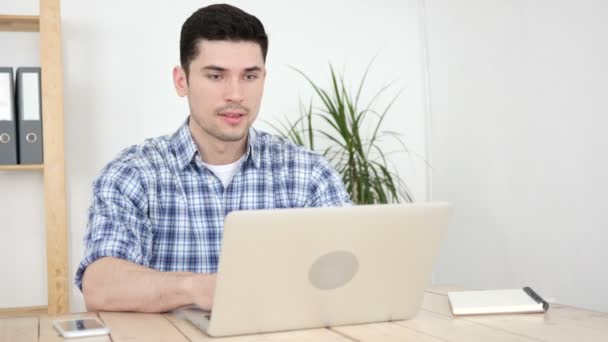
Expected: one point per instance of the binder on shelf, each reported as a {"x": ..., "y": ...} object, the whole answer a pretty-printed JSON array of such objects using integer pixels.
[
  {"x": 29, "y": 109},
  {"x": 8, "y": 120}
]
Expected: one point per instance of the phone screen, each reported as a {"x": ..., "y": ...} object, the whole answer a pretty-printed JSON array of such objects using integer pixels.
[{"x": 80, "y": 324}]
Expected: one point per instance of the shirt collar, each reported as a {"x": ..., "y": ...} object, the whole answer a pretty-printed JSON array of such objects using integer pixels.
[
  {"x": 254, "y": 149},
  {"x": 185, "y": 148}
]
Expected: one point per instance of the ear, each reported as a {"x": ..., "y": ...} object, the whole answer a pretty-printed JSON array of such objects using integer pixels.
[{"x": 180, "y": 81}]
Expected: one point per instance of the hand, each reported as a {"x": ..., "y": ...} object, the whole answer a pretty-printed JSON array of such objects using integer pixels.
[{"x": 202, "y": 289}]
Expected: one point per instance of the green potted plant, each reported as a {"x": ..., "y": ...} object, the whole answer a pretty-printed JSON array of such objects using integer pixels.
[{"x": 358, "y": 157}]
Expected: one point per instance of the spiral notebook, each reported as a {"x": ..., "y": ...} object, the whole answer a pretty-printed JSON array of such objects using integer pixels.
[{"x": 523, "y": 300}]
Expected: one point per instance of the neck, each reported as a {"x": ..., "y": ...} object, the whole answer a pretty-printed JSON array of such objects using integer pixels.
[{"x": 214, "y": 151}]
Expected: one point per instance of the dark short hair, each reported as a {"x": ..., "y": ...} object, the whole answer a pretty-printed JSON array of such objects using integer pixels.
[{"x": 219, "y": 22}]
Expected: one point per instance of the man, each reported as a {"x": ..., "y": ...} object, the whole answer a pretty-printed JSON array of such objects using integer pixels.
[{"x": 155, "y": 225}]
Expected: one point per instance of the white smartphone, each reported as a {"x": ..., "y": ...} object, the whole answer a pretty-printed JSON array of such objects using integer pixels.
[{"x": 81, "y": 327}]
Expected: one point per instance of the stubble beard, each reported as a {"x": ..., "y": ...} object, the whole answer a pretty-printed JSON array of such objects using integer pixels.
[{"x": 226, "y": 136}]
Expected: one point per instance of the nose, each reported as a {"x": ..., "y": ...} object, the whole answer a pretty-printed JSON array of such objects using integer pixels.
[{"x": 234, "y": 91}]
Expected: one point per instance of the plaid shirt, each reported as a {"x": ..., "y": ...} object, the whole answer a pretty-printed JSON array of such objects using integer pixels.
[{"x": 157, "y": 205}]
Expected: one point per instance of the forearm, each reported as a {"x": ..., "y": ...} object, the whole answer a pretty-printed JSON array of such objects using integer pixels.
[{"x": 111, "y": 284}]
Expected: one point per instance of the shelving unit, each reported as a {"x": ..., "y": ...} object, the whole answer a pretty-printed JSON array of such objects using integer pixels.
[{"x": 49, "y": 26}]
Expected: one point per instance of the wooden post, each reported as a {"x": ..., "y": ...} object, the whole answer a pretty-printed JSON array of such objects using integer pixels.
[{"x": 54, "y": 159}]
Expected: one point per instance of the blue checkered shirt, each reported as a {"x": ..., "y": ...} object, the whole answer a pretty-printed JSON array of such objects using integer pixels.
[{"x": 158, "y": 206}]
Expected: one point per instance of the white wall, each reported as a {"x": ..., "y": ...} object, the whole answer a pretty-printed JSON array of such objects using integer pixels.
[
  {"x": 519, "y": 106},
  {"x": 118, "y": 58}
]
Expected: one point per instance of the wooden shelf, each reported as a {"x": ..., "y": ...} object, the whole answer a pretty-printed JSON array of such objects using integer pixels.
[
  {"x": 21, "y": 167},
  {"x": 24, "y": 311},
  {"x": 20, "y": 23}
]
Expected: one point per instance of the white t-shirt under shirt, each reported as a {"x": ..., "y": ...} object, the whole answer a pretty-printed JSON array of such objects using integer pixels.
[{"x": 225, "y": 172}]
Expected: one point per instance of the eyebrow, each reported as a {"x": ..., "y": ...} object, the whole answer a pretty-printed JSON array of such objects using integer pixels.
[{"x": 221, "y": 69}]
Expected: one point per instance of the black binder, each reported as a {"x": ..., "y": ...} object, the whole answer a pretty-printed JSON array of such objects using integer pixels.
[
  {"x": 29, "y": 108},
  {"x": 8, "y": 120}
]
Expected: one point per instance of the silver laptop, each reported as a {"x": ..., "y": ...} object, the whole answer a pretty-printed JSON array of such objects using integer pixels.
[{"x": 289, "y": 269}]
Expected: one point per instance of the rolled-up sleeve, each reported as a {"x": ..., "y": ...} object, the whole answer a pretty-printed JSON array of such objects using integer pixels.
[{"x": 118, "y": 223}]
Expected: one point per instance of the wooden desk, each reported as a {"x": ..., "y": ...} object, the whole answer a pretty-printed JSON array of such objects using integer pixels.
[{"x": 433, "y": 323}]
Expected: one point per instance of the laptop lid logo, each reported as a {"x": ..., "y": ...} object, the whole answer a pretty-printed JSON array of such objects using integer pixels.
[{"x": 333, "y": 270}]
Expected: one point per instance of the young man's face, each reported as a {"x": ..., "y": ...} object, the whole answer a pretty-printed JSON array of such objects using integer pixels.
[{"x": 224, "y": 88}]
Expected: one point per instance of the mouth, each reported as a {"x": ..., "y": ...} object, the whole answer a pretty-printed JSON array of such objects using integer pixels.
[{"x": 232, "y": 118}]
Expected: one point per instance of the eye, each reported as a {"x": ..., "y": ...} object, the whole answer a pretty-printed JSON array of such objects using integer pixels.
[
  {"x": 214, "y": 77},
  {"x": 251, "y": 76}
]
